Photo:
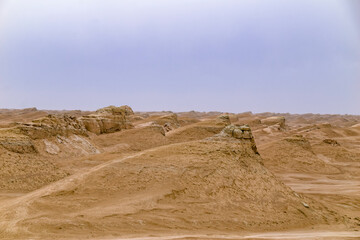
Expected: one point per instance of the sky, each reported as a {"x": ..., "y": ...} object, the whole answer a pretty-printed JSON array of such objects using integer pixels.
[{"x": 299, "y": 56}]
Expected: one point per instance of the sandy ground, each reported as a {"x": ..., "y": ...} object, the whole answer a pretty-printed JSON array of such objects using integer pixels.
[
  {"x": 161, "y": 180},
  {"x": 310, "y": 235}
]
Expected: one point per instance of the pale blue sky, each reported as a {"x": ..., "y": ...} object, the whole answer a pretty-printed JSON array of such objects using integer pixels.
[{"x": 228, "y": 55}]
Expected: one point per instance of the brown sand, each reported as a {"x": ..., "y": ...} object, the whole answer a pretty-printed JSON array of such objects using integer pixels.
[{"x": 169, "y": 178}]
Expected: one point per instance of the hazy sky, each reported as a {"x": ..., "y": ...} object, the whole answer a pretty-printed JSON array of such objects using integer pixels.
[{"x": 230, "y": 55}]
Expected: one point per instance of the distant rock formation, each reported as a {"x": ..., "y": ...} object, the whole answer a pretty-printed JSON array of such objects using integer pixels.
[
  {"x": 223, "y": 119},
  {"x": 276, "y": 120},
  {"x": 237, "y": 132},
  {"x": 169, "y": 122},
  {"x": 274, "y": 124},
  {"x": 108, "y": 120},
  {"x": 113, "y": 110}
]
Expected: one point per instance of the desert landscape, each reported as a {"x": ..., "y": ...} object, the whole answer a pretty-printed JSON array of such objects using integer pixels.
[
  {"x": 116, "y": 173},
  {"x": 179, "y": 120}
]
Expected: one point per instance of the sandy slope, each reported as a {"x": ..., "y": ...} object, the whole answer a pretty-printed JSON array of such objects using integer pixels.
[
  {"x": 167, "y": 178},
  {"x": 222, "y": 185},
  {"x": 309, "y": 235}
]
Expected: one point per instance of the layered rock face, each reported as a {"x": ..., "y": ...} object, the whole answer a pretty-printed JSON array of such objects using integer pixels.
[
  {"x": 52, "y": 126},
  {"x": 65, "y": 129},
  {"x": 16, "y": 143},
  {"x": 20, "y": 139},
  {"x": 108, "y": 120}
]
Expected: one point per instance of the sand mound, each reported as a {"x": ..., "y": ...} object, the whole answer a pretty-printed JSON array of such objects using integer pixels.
[
  {"x": 294, "y": 153},
  {"x": 151, "y": 134},
  {"x": 136, "y": 139},
  {"x": 168, "y": 121},
  {"x": 357, "y": 126},
  {"x": 335, "y": 153},
  {"x": 199, "y": 130},
  {"x": 219, "y": 183},
  {"x": 24, "y": 172}
]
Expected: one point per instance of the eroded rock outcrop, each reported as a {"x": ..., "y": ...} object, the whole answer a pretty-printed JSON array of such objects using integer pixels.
[
  {"x": 113, "y": 110},
  {"x": 52, "y": 125},
  {"x": 108, "y": 120},
  {"x": 223, "y": 119},
  {"x": 14, "y": 142},
  {"x": 59, "y": 132},
  {"x": 20, "y": 138},
  {"x": 51, "y": 131},
  {"x": 169, "y": 122},
  {"x": 274, "y": 124},
  {"x": 276, "y": 120},
  {"x": 235, "y": 133}
]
